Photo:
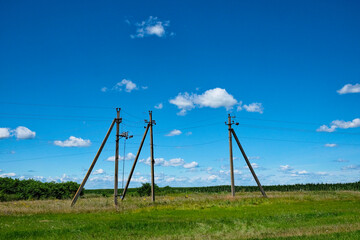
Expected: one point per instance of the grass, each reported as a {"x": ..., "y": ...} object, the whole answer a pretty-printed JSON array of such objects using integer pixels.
[{"x": 290, "y": 215}]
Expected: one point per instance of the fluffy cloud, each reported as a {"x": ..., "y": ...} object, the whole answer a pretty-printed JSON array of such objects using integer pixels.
[
  {"x": 126, "y": 85},
  {"x": 340, "y": 124},
  {"x": 253, "y": 107},
  {"x": 331, "y": 145},
  {"x": 213, "y": 178},
  {"x": 159, "y": 106},
  {"x": 162, "y": 162},
  {"x": 213, "y": 98},
  {"x": 174, "y": 132},
  {"x": 4, "y": 175},
  {"x": 104, "y": 89},
  {"x": 254, "y": 165},
  {"x": 4, "y": 133},
  {"x": 293, "y": 173},
  {"x": 129, "y": 156},
  {"x": 191, "y": 165},
  {"x": 24, "y": 133},
  {"x": 285, "y": 168},
  {"x": 351, "y": 167},
  {"x": 73, "y": 142},
  {"x": 151, "y": 27},
  {"x": 99, "y": 171},
  {"x": 349, "y": 88},
  {"x": 174, "y": 162},
  {"x": 341, "y": 160}
]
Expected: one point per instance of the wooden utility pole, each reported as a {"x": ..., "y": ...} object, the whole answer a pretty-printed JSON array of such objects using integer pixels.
[
  {"x": 151, "y": 122},
  {"x": 77, "y": 194},
  {"x": 231, "y": 156},
  {"x": 116, "y": 181},
  {"x": 249, "y": 164}
]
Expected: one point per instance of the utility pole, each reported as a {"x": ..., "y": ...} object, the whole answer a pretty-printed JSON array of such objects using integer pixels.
[
  {"x": 116, "y": 181},
  {"x": 232, "y": 133},
  {"x": 229, "y": 123},
  {"x": 151, "y": 122}
]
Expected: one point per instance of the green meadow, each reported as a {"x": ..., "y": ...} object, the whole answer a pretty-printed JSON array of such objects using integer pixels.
[{"x": 284, "y": 215}]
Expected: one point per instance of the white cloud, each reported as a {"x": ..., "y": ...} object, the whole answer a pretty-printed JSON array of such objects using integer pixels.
[
  {"x": 341, "y": 160},
  {"x": 140, "y": 180},
  {"x": 253, "y": 107},
  {"x": 174, "y": 132},
  {"x": 303, "y": 172},
  {"x": 24, "y": 133},
  {"x": 127, "y": 84},
  {"x": 4, "y": 175},
  {"x": 213, "y": 98},
  {"x": 99, "y": 171},
  {"x": 331, "y": 145},
  {"x": 159, "y": 106},
  {"x": 340, "y": 124},
  {"x": 213, "y": 178},
  {"x": 191, "y": 165},
  {"x": 325, "y": 128},
  {"x": 285, "y": 168},
  {"x": 184, "y": 102},
  {"x": 129, "y": 156},
  {"x": 349, "y": 88},
  {"x": 73, "y": 142},
  {"x": 188, "y": 133},
  {"x": 351, "y": 167},
  {"x": 254, "y": 165},
  {"x": 151, "y": 27},
  {"x": 4, "y": 133},
  {"x": 254, "y": 157},
  {"x": 174, "y": 162},
  {"x": 104, "y": 89}
]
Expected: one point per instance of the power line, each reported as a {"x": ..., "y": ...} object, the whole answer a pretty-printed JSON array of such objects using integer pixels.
[
  {"x": 48, "y": 157},
  {"x": 290, "y": 129},
  {"x": 55, "y": 105}
]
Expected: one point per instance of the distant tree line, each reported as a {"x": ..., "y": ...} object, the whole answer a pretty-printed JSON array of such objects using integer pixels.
[
  {"x": 145, "y": 189},
  {"x": 15, "y": 189}
]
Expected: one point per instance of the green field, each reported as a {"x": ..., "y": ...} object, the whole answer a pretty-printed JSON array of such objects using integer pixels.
[{"x": 284, "y": 215}]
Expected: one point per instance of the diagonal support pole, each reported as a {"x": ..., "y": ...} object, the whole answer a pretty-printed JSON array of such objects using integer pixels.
[
  {"x": 77, "y": 194},
  {"x": 135, "y": 161},
  {"x": 248, "y": 163}
]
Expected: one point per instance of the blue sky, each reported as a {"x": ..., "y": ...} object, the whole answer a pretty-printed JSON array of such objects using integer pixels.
[{"x": 288, "y": 70}]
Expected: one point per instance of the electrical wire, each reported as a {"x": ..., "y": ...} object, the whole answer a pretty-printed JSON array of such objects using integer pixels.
[{"x": 55, "y": 105}]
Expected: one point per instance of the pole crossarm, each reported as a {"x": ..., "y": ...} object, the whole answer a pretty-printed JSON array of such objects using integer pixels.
[
  {"x": 77, "y": 194},
  {"x": 248, "y": 163}
]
